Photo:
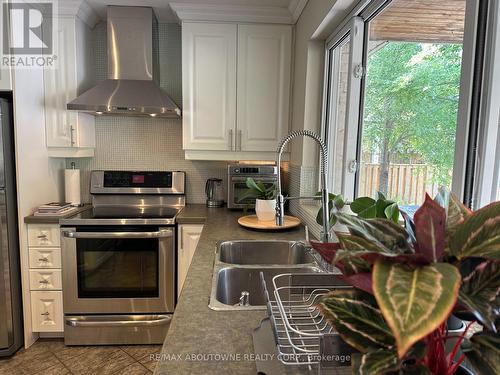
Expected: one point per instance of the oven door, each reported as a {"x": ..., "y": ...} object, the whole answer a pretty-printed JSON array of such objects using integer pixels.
[
  {"x": 237, "y": 186},
  {"x": 118, "y": 270}
]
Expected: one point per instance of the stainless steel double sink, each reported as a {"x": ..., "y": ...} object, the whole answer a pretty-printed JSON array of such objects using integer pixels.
[{"x": 236, "y": 281}]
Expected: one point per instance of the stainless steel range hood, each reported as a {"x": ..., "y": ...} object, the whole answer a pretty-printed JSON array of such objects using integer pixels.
[{"x": 132, "y": 85}]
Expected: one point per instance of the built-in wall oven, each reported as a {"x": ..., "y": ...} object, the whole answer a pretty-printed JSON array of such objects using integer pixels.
[
  {"x": 119, "y": 266},
  {"x": 237, "y": 175}
]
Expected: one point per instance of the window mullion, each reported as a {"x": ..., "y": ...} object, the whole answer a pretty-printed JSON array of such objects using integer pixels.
[{"x": 353, "y": 108}]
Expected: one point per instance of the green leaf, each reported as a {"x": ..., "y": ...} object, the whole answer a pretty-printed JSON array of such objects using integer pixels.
[
  {"x": 355, "y": 243},
  {"x": 360, "y": 204},
  {"x": 384, "y": 233},
  {"x": 354, "y": 315},
  {"x": 251, "y": 184},
  {"x": 248, "y": 194},
  {"x": 479, "y": 234},
  {"x": 484, "y": 353},
  {"x": 338, "y": 201},
  {"x": 365, "y": 252},
  {"x": 430, "y": 221},
  {"x": 332, "y": 219},
  {"x": 414, "y": 302},
  {"x": 381, "y": 206},
  {"x": 392, "y": 212},
  {"x": 335, "y": 202},
  {"x": 456, "y": 211},
  {"x": 261, "y": 186},
  {"x": 351, "y": 262},
  {"x": 386, "y": 361},
  {"x": 374, "y": 362},
  {"x": 480, "y": 292},
  {"x": 369, "y": 213}
]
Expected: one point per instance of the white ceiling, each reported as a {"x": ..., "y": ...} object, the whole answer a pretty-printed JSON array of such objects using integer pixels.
[{"x": 164, "y": 13}]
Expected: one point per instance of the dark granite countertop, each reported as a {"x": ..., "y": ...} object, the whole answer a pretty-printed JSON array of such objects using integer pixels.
[
  {"x": 32, "y": 219},
  {"x": 196, "y": 214},
  {"x": 195, "y": 329}
]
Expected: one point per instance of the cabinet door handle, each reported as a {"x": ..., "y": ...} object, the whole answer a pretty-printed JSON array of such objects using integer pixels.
[
  {"x": 239, "y": 139},
  {"x": 43, "y": 259},
  {"x": 46, "y": 313},
  {"x": 42, "y": 237},
  {"x": 181, "y": 232},
  {"x": 72, "y": 135},
  {"x": 230, "y": 139},
  {"x": 44, "y": 281}
]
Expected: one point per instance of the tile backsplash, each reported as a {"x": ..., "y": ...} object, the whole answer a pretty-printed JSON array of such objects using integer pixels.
[
  {"x": 137, "y": 143},
  {"x": 145, "y": 143}
]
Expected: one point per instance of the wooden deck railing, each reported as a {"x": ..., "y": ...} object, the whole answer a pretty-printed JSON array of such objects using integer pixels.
[{"x": 408, "y": 183}]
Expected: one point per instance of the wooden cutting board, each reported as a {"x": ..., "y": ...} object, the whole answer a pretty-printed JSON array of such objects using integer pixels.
[{"x": 251, "y": 221}]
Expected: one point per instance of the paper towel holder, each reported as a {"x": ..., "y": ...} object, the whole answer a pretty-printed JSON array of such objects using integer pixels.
[{"x": 72, "y": 192}]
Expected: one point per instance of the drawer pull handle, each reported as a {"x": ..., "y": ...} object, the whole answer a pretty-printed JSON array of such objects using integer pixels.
[
  {"x": 43, "y": 259},
  {"x": 44, "y": 281},
  {"x": 42, "y": 236},
  {"x": 46, "y": 313}
]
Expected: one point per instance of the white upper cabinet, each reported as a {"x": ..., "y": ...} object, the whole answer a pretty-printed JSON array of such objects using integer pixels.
[
  {"x": 236, "y": 89},
  {"x": 69, "y": 133},
  {"x": 263, "y": 96},
  {"x": 209, "y": 85}
]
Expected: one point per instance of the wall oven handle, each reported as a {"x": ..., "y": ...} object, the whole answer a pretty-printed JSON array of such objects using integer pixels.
[
  {"x": 157, "y": 320},
  {"x": 99, "y": 235}
]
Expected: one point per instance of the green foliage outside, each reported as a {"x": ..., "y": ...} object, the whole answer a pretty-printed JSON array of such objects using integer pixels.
[{"x": 411, "y": 105}]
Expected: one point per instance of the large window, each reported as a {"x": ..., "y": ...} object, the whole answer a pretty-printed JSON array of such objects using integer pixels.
[{"x": 393, "y": 97}]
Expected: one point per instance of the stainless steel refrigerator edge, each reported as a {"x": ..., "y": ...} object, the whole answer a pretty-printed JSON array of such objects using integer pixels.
[{"x": 11, "y": 329}]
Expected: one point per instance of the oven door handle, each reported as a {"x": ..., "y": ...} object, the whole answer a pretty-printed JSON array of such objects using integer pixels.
[
  {"x": 158, "y": 320},
  {"x": 99, "y": 235}
]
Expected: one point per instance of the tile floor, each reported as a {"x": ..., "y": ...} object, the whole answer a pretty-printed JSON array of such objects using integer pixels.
[{"x": 52, "y": 357}]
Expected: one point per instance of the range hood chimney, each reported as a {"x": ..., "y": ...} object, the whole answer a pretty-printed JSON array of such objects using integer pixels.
[{"x": 130, "y": 89}]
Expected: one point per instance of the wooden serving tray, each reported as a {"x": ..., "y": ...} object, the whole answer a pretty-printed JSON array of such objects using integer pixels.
[{"x": 251, "y": 221}]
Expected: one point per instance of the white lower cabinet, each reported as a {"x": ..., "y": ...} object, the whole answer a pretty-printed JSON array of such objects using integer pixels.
[
  {"x": 46, "y": 311},
  {"x": 189, "y": 235},
  {"x": 45, "y": 257},
  {"x": 45, "y": 278},
  {"x": 44, "y": 235}
]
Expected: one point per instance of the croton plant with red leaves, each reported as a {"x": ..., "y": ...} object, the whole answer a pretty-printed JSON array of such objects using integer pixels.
[{"x": 409, "y": 279}]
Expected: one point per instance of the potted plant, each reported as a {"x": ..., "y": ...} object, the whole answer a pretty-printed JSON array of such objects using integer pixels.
[
  {"x": 265, "y": 198},
  {"x": 364, "y": 207},
  {"x": 409, "y": 280}
]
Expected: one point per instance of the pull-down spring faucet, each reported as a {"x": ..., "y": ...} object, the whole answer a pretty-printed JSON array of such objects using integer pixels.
[{"x": 280, "y": 199}]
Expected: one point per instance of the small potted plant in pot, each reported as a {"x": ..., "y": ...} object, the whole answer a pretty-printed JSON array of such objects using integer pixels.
[
  {"x": 409, "y": 280},
  {"x": 265, "y": 198}
]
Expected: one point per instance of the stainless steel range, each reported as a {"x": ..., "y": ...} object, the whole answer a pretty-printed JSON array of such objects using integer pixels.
[{"x": 119, "y": 259}]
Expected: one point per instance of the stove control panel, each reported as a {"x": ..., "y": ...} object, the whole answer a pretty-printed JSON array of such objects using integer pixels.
[
  {"x": 137, "y": 179},
  {"x": 137, "y": 182}
]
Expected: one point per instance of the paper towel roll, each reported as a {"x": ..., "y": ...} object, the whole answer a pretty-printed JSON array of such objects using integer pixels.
[{"x": 72, "y": 186}]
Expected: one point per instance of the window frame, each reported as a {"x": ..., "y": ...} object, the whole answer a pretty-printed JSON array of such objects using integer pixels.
[
  {"x": 487, "y": 163},
  {"x": 356, "y": 23}
]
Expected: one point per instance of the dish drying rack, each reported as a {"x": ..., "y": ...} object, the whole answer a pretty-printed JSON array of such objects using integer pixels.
[{"x": 303, "y": 337}]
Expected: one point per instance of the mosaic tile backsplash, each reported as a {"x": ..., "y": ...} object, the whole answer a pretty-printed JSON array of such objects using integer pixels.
[{"x": 145, "y": 143}]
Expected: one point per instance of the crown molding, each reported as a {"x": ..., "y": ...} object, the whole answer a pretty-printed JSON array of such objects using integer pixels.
[
  {"x": 232, "y": 13},
  {"x": 80, "y": 9},
  {"x": 296, "y": 7}
]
